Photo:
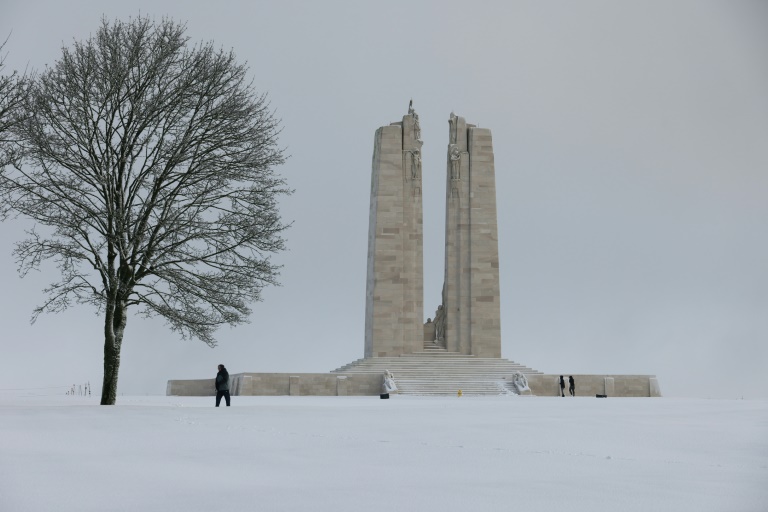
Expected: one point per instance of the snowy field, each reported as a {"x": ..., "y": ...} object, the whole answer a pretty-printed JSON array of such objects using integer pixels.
[{"x": 405, "y": 454}]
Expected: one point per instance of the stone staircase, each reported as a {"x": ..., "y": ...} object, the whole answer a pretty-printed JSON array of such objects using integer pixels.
[
  {"x": 439, "y": 372},
  {"x": 432, "y": 347}
]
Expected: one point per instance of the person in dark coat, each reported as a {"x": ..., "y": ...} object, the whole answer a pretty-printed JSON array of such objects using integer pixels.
[
  {"x": 222, "y": 385},
  {"x": 571, "y": 385},
  {"x": 562, "y": 386}
]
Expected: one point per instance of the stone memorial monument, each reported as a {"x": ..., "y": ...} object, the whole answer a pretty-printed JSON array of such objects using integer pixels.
[
  {"x": 461, "y": 348},
  {"x": 468, "y": 321}
]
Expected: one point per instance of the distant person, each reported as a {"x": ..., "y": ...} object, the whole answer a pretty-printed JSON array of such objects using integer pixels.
[
  {"x": 571, "y": 385},
  {"x": 222, "y": 385},
  {"x": 562, "y": 386}
]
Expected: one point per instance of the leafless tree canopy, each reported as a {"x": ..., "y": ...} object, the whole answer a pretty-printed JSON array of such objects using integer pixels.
[
  {"x": 11, "y": 94},
  {"x": 150, "y": 163}
]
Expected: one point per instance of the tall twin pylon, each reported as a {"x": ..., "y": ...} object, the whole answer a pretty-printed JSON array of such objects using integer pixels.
[{"x": 468, "y": 320}]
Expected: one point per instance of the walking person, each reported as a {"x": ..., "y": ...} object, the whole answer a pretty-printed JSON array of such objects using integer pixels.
[
  {"x": 562, "y": 386},
  {"x": 222, "y": 385},
  {"x": 571, "y": 385}
]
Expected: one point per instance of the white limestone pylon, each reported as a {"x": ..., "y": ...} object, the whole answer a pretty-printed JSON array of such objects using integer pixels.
[
  {"x": 394, "y": 308},
  {"x": 471, "y": 306}
]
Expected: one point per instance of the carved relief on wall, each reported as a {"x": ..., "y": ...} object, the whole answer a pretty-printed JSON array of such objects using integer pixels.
[
  {"x": 454, "y": 154},
  {"x": 415, "y": 164}
]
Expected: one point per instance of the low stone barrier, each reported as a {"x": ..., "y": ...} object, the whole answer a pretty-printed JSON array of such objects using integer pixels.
[
  {"x": 200, "y": 387},
  {"x": 370, "y": 384},
  {"x": 283, "y": 384},
  {"x": 591, "y": 385}
]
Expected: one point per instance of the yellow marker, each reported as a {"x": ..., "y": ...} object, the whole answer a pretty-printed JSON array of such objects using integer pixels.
[{"x": 459, "y": 393}]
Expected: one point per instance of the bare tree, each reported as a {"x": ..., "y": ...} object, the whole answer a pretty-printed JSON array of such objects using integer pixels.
[
  {"x": 11, "y": 95},
  {"x": 150, "y": 163}
]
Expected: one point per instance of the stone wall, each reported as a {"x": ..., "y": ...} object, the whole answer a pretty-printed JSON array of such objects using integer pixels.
[
  {"x": 283, "y": 384},
  {"x": 199, "y": 387},
  {"x": 591, "y": 385},
  {"x": 370, "y": 384}
]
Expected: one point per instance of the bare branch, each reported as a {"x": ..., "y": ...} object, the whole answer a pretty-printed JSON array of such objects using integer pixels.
[
  {"x": 12, "y": 90},
  {"x": 148, "y": 167}
]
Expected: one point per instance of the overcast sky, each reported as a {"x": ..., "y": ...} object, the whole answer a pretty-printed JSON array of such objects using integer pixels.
[{"x": 631, "y": 146}]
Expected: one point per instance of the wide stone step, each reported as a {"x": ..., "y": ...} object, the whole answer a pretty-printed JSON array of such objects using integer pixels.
[
  {"x": 437, "y": 358},
  {"x": 438, "y": 369},
  {"x": 451, "y": 387},
  {"x": 429, "y": 364},
  {"x": 442, "y": 373},
  {"x": 437, "y": 365}
]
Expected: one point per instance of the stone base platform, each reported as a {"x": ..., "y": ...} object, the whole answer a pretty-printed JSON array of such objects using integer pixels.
[
  {"x": 420, "y": 374},
  {"x": 441, "y": 373}
]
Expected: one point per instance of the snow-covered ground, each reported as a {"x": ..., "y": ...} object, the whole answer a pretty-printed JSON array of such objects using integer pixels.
[{"x": 404, "y": 454}]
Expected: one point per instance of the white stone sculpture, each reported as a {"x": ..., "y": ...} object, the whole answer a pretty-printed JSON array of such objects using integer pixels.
[
  {"x": 416, "y": 126},
  {"x": 452, "y": 123},
  {"x": 440, "y": 323},
  {"x": 415, "y": 164},
  {"x": 389, "y": 382},
  {"x": 520, "y": 383}
]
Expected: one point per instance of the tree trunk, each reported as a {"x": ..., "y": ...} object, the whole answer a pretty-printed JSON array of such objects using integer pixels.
[{"x": 114, "y": 327}]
